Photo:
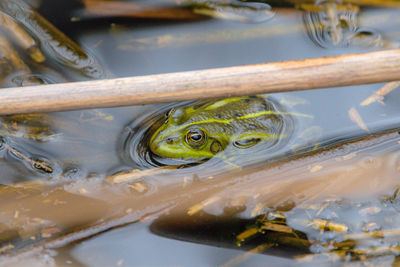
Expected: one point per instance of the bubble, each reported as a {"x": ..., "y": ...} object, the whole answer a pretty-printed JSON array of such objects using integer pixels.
[{"x": 75, "y": 173}]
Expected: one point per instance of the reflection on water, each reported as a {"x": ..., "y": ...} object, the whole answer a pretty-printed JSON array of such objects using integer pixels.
[
  {"x": 45, "y": 37},
  {"x": 123, "y": 244},
  {"x": 332, "y": 24},
  {"x": 326, "y": 214},
  {"x": 339, "y": 205},
  {"x": 235, "y": 10}
]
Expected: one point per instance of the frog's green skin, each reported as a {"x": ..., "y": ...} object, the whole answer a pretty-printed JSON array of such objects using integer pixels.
[{"x": 240, "y": 121}]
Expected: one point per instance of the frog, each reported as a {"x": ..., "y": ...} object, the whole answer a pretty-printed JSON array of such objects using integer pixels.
[{"x": 207, "y": 128}]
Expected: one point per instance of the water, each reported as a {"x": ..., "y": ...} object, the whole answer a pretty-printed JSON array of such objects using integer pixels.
[
  {"x": 70, "y": 153},
  {"x": 167, "y": 249}
]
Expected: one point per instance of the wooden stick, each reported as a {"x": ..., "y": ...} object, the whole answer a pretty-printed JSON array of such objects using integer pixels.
[{"x": 374, "y": 67}]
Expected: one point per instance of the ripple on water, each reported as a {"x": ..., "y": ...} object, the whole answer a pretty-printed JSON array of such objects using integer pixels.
[
  {"x": 53, "y": 42},
  {"x": 36, "y": 163},
  {"x": 20, "y": 80},
  {"x": 330, "y": 24},
  {"x": 136, "y": 137}
]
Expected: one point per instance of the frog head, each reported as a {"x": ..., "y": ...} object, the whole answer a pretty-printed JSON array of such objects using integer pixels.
[{"x": 178, "y": 139}]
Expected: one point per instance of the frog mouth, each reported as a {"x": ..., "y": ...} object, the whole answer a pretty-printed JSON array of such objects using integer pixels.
[
  {"x": 163, "y": 151},
  {"x": 178, "y": 162}
]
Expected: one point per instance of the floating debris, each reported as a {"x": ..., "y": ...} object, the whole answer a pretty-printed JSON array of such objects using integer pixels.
[
  {"x": 49, "y": 232},
  {"x": 276, "y": 227},
  {"x": 258, "y": 209},
  {"x": 37, "y": 164},
  {"x": 316, "y": 168},
  {"x": 370, "y": 211},
  {"x": 246, "y": 235},
  {"x": 356, "y": 118},
  {"x": 132, "y": 175},
  {"x": 138, "y": 187},
  {"x": 198, "y": 207},
  {"x": 291, "y": 101},
  {"x": 379, "y": 95},
  {"x": 349, "y": 156},
  {"x": 325, "y": 225}
]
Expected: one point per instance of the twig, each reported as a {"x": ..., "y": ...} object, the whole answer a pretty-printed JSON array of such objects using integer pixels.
[{"x": 354, "y": 69}]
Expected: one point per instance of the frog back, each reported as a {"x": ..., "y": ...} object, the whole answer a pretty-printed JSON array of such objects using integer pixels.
[{"x": 239, "y": 119}]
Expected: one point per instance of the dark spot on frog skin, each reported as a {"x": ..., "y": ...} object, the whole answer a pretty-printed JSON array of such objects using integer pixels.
[
  {"x": 218, "y": 116},
  {"x": 169, "y": 141},
  {"x": 237, "y": 115},
  {"x": 246, "y": 100}
]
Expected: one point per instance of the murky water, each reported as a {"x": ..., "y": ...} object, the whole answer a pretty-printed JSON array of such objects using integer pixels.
[{"x": 53, "y": 166}]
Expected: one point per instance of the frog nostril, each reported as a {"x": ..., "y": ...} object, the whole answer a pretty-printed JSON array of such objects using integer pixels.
[{"x": 169, "y": 141}]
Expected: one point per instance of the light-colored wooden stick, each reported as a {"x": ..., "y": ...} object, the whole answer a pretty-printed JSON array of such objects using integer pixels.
[{"x": 373, "y": 67}]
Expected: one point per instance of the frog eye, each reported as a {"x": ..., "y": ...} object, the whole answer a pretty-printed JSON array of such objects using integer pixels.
[{"x": 195, "y": 138}]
